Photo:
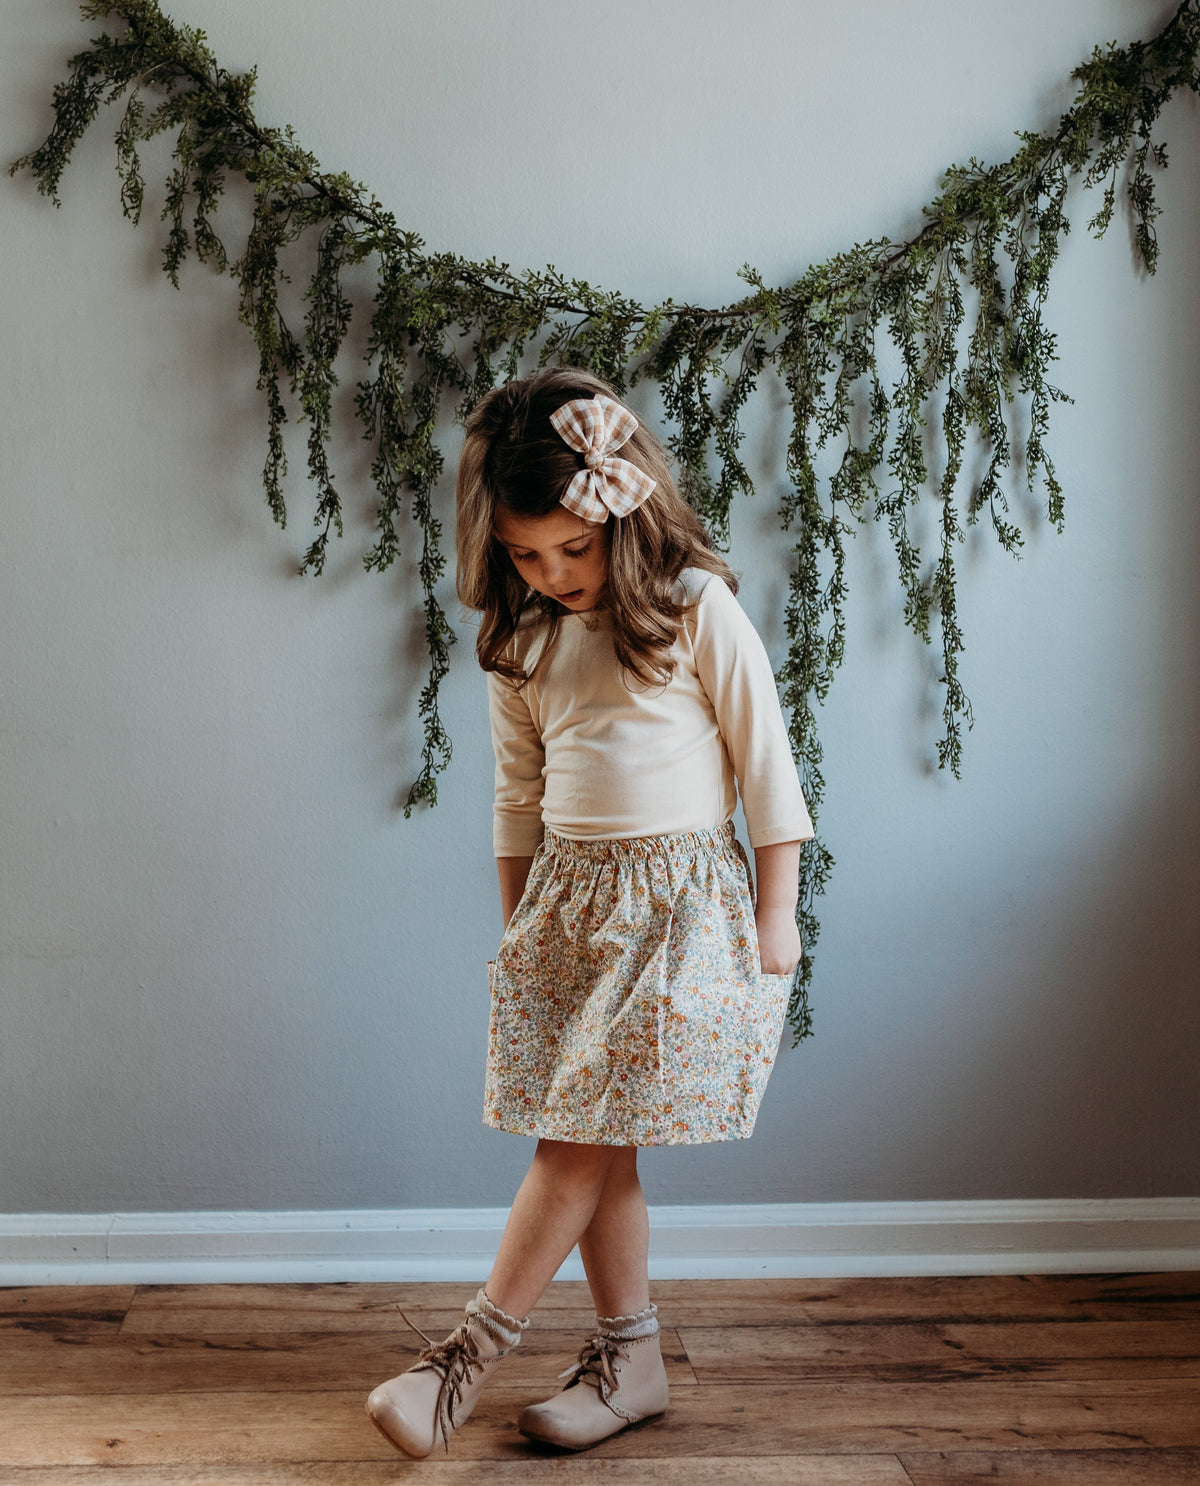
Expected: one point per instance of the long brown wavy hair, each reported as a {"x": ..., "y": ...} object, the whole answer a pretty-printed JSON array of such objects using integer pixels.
[{"x": 514, "y": 460}]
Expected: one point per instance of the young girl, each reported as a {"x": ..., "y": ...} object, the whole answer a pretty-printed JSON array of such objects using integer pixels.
[{"x": 639, "y": 991}]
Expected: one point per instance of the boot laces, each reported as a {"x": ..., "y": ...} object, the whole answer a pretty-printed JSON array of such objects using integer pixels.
[
  {"x": 596, "y": 1359},
  {"x": 456, "y": 1359}
]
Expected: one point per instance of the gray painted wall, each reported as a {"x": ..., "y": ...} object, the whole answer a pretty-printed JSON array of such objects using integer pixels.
[{"x": 231, "y": 976}]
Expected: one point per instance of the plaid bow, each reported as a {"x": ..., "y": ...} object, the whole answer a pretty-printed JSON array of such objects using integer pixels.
[{"x": 595, "y": 427}]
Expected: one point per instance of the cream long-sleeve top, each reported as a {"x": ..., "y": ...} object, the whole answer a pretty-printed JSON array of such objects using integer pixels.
[{"x": 591, "y": 757}]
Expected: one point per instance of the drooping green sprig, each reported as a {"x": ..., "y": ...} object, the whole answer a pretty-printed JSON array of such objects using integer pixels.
[{"x": 958, "y": 310}]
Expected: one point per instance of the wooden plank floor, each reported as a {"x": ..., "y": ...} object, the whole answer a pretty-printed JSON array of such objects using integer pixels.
[{"x": 1087, "y": 1380}]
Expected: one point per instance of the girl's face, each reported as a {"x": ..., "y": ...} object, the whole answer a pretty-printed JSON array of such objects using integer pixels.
[{"x": 560, "y": 555}]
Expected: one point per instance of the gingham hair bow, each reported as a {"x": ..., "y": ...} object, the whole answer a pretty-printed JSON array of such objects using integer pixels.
[{"x": 595, "y": 427}]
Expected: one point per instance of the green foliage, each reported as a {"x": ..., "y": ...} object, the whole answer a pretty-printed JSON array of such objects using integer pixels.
[{"x": 961, "y": 303}]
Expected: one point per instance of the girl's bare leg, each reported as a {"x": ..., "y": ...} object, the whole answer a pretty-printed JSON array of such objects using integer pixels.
[
  {"x": 615, "y": 1246},
  {"x": 623, "y": 1359},
  {"x": 553, "y": 1207}
]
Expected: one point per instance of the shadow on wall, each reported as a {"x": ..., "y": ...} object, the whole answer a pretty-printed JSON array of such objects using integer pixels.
[
  {"x": 1062, "y": 1067},
  {"x": 1085, "y": 1058}
]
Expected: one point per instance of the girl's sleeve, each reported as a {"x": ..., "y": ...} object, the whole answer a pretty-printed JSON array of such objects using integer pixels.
[
  {"x": 735, "y": 671},
  {"x": 520, "y": 757}
]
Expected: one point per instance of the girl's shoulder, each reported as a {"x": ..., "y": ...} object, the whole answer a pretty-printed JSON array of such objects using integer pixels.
[
  {"x": 691, "y": 583},
  {"x": 530, "y": 643},
  {"x": 694, "y": 584},
  {"x": 531, "y": 622}
]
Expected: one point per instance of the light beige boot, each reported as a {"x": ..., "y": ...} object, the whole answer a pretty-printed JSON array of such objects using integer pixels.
[
  {"x": 618, "y": 1381},
  {"x": 435, "y": 1396}
]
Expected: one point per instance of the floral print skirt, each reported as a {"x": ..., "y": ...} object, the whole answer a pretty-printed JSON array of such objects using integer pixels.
[{"x": 627, "y": 1003}]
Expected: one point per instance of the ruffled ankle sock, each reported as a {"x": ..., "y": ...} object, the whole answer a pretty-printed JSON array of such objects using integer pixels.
[
  {"x": 505, "y": 1330},
  {"x": 629, "y": 1328}
]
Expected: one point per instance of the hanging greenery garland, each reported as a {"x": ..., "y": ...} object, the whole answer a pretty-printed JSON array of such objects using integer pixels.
[{"x": 961, "y": 303}]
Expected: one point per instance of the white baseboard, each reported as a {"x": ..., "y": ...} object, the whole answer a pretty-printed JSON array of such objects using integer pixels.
[{"x": 776, "y": 1240}]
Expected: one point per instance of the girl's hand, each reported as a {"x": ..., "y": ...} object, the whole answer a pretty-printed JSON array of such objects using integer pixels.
[
  {"x": 514, "y": 873},
  {"x": 779, "y": 947},
  {"x": 777, "y": 870}
]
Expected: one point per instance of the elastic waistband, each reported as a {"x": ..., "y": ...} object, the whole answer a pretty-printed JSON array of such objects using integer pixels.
[{"x": 680, "y": 846}]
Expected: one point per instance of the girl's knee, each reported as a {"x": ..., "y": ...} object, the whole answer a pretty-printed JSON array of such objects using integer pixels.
[{"x": 574, "y": 1160}]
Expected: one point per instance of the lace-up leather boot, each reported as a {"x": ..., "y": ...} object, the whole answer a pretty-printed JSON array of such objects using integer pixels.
[
  {"x": 618, "y": 1381},
  {"x": 426, "y": 1404}
]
